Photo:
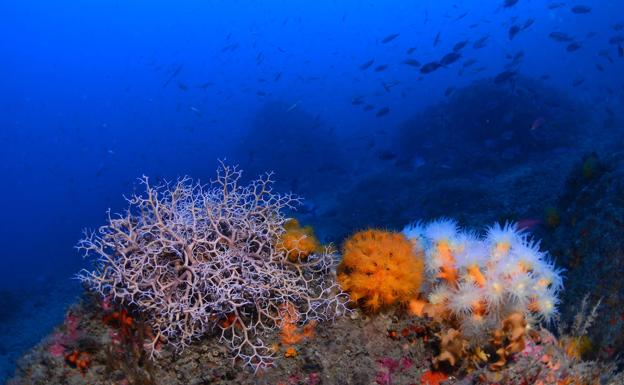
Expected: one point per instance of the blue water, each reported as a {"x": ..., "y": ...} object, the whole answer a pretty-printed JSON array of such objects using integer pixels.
[{"x": 94, "y": 94}]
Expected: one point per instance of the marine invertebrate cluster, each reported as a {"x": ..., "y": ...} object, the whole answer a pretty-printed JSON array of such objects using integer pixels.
[
  {"x": 480, "y": 281},
  {"x": 191, "y": 258},
  {"x": 380, "y": 268},
  {"x": 297, "y": 242}
]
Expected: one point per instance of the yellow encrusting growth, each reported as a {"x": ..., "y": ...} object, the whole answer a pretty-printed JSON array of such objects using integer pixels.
[
  {"x": 380, "y": 268},
  {"x": 297, "y": 242}
]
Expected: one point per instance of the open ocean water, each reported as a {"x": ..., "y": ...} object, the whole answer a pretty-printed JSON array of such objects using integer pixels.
[{"x": 375, "y": 113}]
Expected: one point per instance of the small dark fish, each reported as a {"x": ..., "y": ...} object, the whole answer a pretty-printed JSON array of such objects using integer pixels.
[
  {"x": 412, "y": 62},
  {"x": 357, "y": 100},
  {"x": 620, "y": 51},
  {"x": 182, "y": 86},
  {"x": 578, "y": 81},
  {"x": 386, "y": 155},
  {"x": 469, "y": 62},
  {"x": 599, "y": 67},
  {"x": 561, "y": 37},
  {"x": 537, "y": 123},
  {"x": 437, "y": 39},
  {"x": 509, "y": 3},
  {"x": 277, "y": 76},
  {"x": 580, "y": 9},
  {"x": 461, "y": 16},
  {"x": 410, "y": 50},
  {"x": 528, "y": 23},
  {"x": 574, "y": 46},
  {"x": 230, "y": 47},
  {"x": 389, "y": 38},
  {"x": 449, "y": 58},
  {"x": 513, "y": 31},
  {"x": 388, "y": 85},
  {"x": 383, "y": 111},
  {"x": 459, "y": 45},
  {"x": 556, "y": 5},
  {"x": 430, "y": 67},
  {"x": 449, "y": 91},
  {"x": 545, "y": 77},
  {"x": 205, "y": 85},
  {"x": 261, "y": 93},
  {"x": 366, "y": 64},
  {"x": 590, "y": 34},
  {"x": 368, "y": 107},
  {"x": 617, "y": 39},
  {"x": 481, "y": 42},
  {"x": 175, "y": 73},
  {"x": 381, "y": 67},
  {"x": 504, "y": 77},
  {"x": 618, "y": 26}
]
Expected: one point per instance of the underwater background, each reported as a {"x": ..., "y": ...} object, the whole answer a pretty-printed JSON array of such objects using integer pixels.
[{"x": 376, "y": 112}]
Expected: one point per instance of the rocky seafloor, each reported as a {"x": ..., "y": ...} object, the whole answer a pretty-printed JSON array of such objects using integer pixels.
[{"x": 571, "y": 199}]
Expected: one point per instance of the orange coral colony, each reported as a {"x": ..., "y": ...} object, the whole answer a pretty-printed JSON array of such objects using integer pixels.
[
  {"x": 380, "y": 268},
  {"x": 297, "y": 242}
]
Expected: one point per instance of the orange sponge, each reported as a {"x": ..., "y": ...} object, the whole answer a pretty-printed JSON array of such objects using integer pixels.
[
  {"x": 297, "y": 242},
  {"x": 380, "y": 268}
]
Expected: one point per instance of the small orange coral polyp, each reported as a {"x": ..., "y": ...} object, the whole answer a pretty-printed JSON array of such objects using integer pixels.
[
  {"x": 298, "y": 242},
  {"x": 380, "y": 268}
]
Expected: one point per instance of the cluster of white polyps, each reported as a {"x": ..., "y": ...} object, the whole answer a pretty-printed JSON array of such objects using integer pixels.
[{"x": 481, "y": 280}]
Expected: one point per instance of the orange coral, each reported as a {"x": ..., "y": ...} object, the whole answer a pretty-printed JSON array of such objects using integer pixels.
[
  {"x": 380, "y": 268},
  {"x": 290, "y": 353},
  {"x": 297, "y": 242},
  {"x": 433, "y": 378},
  {"x": 120, "y": 319},
  {"x": 289, "y": 318},
  {"x": 79, "y": 360}
]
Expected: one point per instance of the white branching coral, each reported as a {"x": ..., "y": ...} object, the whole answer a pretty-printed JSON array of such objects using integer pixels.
[{"x": 198, "y": 258}]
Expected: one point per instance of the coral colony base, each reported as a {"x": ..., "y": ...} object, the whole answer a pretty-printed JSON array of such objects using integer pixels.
[{"x": 190, "y": 264}]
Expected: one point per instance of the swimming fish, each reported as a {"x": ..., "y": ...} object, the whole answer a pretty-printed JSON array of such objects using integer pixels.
[
  {"x": 449, "y": 58},
  {"x": 383, "y": 111},
  {"x": 481, "y": 42},
  {"x": 537, "y": 123},
  {"x": 580, "y": 9},
  {"x": 294, "y": 106},
  {"x": 430, "y": 67},
  {"x": 513, "y": 31},
  {"x": 175, "y": 73},
  {"x": 381, "y": 67},
  {"x": 556, "y": 5},
  {"x": 412, "y": 62},
  {"x": 459, "y": 45},
  {"x": 574, "y": 46},
  {"x": 617, "y": 39},
  {"x": 528, "y": 23},
  {"x": 389, "y": 38},
  {"x": 366, "y": 64},
  {"x": 560, "y": 37},
  {"x": 509, "y": 3},
  {"x": 504, "y": 76},
  {"x": 469, "y": 62}
]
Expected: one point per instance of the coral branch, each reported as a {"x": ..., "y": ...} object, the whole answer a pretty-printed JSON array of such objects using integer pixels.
[{"x": 190, "y": 256}]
